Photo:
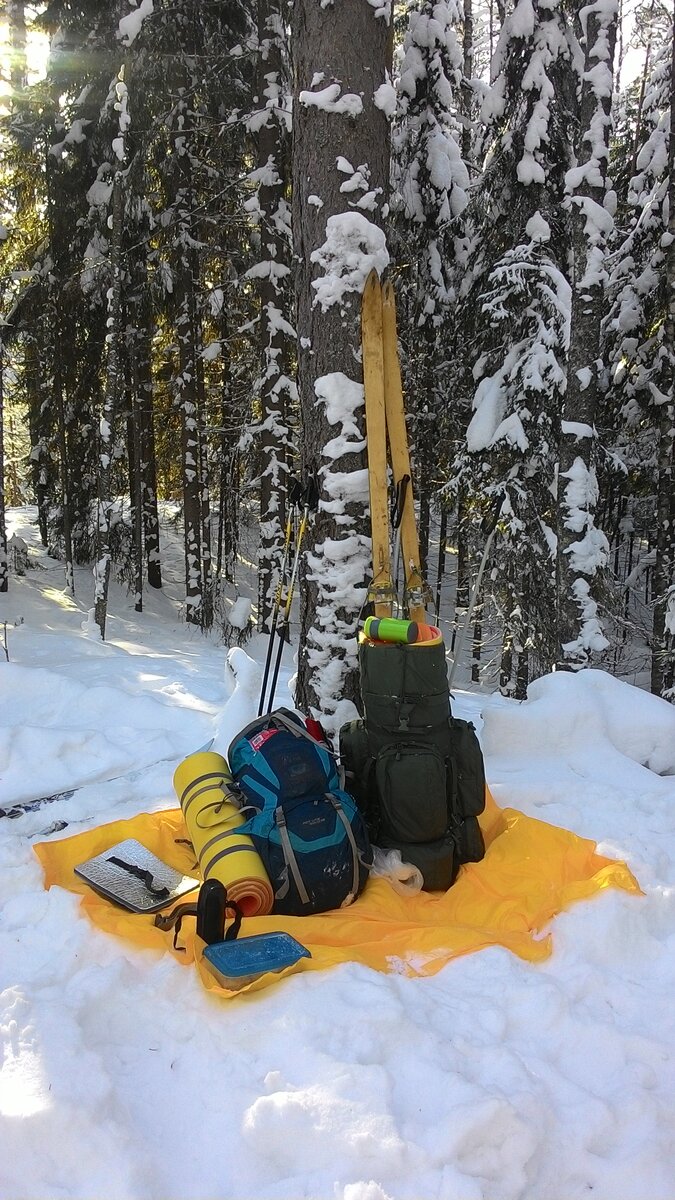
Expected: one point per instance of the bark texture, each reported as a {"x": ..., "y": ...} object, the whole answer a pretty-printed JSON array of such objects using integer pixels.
[{"x": 327, "y": 143}]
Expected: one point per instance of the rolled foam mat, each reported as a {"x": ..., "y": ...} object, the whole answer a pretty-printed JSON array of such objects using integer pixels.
[{"x": 201, "y": 784}]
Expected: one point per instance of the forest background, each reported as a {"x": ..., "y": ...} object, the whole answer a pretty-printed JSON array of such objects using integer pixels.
[{"x": 193, "y": 194}]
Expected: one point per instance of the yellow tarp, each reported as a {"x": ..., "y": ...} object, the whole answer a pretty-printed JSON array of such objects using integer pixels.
[{"x": 531, "y": 871}]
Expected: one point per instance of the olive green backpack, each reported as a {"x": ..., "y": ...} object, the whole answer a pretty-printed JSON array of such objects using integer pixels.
[{"x": 415, "y": 771}]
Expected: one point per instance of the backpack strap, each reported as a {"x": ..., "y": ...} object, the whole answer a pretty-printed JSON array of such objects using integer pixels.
[
  {"x": 298, "y": 730},
  {"x": 352, "y": 841},
  {"x": 174, "y": 920},
  {"x": 279, "y": 717},
  {"x": 290, "y": 859},
  {"x": 210, "y": 781}
]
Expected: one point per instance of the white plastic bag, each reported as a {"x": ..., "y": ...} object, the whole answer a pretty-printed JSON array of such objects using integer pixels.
[{"x": 405, "y": 879}]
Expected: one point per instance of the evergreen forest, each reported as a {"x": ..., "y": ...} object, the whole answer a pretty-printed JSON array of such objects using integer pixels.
[{"x": 193, "y": 193}]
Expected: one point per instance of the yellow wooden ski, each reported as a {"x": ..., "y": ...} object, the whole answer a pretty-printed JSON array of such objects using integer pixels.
[
  {"x": 415, "y": 589},
  {"x": 381, "y": 591}
]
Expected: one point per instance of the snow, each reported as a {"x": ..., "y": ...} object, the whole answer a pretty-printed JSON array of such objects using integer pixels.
[
  {"x": 353, "y": 247},
  {"x": 330, "y": 100},
  {"x": 495, "y": 1079},
  {"x": 342, "y": 397},
  {"x": 130, "y": 26},
  {"x": 579, "y": 429},
  {"x": 670, "y": 610},
  {"x": 522, "y": 20},
  {"x": 488, "y": 404},
  {"x": 382, "y": 9},
  {"x": 538, "y": 229},
  {"x": 99, "y": 193},
  {"x": 584, "y": 556},
  {"x": 384, "y": 98},
  {"x": 239, "y": 614},
  {"x": 211, "y": 351},
  {"x": 580, "y": 499}
]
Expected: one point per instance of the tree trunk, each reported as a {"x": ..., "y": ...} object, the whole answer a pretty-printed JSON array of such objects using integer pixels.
[
  {"x": 136, "y": 480},
  {"x": 113, "y": 385},
  {"x": 186, "y": 384},
  {"x": 467, "y": 71},
  {"x": 442, "y": 540},
  {"x": 340, "y": 181},
  {"x": 506, "y": 664},
  {"x": 663, "y": 578},
  {"x": 39, "y": 459},
  {"x": 582, "y": 547},
  {"x": 228, "y": 475},
  {"x": 58, "y": 397},
  {"x": 477, "y": 640},
  {"x": 4, "y": 566},
  {"x": 463, "y": 568},
  {"x": 522, "y": 675},
  {"x": 60, "y": 400},
  {"x": 641, "y": 100},
  {"x": 141, "y": 354},
  {"x": 205, "y": 490},
  {"x": 275, "y": 389}
]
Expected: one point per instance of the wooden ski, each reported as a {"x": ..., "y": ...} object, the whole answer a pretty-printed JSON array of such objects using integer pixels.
[
  {"x": 381, "y": 591},
  {"x": 415, "y": 592}
]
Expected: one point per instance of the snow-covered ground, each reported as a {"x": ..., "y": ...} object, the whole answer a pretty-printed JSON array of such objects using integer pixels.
[{"x": 495, "y": 1079}]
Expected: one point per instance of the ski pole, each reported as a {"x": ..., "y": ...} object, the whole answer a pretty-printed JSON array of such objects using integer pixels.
[
  {"x": 311, "y": 503},
  {"x": 399, "y": 502},
  {"x": 295, "y": 494},
  {"x": 492, "y": 529},
  {"x": 443, "y": 533}
]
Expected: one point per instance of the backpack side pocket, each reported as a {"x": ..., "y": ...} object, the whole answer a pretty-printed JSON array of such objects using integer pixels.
[
  {"x": 411, "y": 783},
  {"x": 469, "y": 772}
]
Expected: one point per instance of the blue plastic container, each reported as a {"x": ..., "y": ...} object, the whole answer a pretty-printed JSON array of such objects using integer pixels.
[{"x": 239, "y": 962}]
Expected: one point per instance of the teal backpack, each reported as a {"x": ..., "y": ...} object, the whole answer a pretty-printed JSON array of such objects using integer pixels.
[
  {"x": 415, "y": 771},
  {"x": 308, "y": 831}
]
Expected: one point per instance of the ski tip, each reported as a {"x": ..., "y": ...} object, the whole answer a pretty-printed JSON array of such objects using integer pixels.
[{"x": 372, "y": 281}]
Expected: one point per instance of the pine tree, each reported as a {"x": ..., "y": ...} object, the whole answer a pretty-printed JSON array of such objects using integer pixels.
[
  {"x": 582, "y": 548},
  {"x": 270, "y": 210},
  {"x": 113, "y": 383},
  {"x": 432, "y": 195},
  {"x": 640, "y": 350},
  {"x": 4, "y": 564},
  {"x": 340, "y": 182},
  {"x": 514, "y": 310}
]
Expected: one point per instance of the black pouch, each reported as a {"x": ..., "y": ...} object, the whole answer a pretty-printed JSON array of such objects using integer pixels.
[
  {"x": 412, "y": 789},
  {"x": 438, "y": 860},
  {"x": 469, "y": 770},
  {"x": 357, "y": 764},
  {"x": 470, "y": 843}
]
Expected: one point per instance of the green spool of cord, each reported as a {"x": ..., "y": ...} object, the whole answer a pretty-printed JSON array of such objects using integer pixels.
[{"x": 390, "y": 629}]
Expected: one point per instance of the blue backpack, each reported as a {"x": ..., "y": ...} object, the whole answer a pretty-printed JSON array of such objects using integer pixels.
[{"x": 307, "y": 830}]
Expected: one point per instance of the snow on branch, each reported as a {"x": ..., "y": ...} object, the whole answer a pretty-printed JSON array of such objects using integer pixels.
[{"x": 130, "y": 26}]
